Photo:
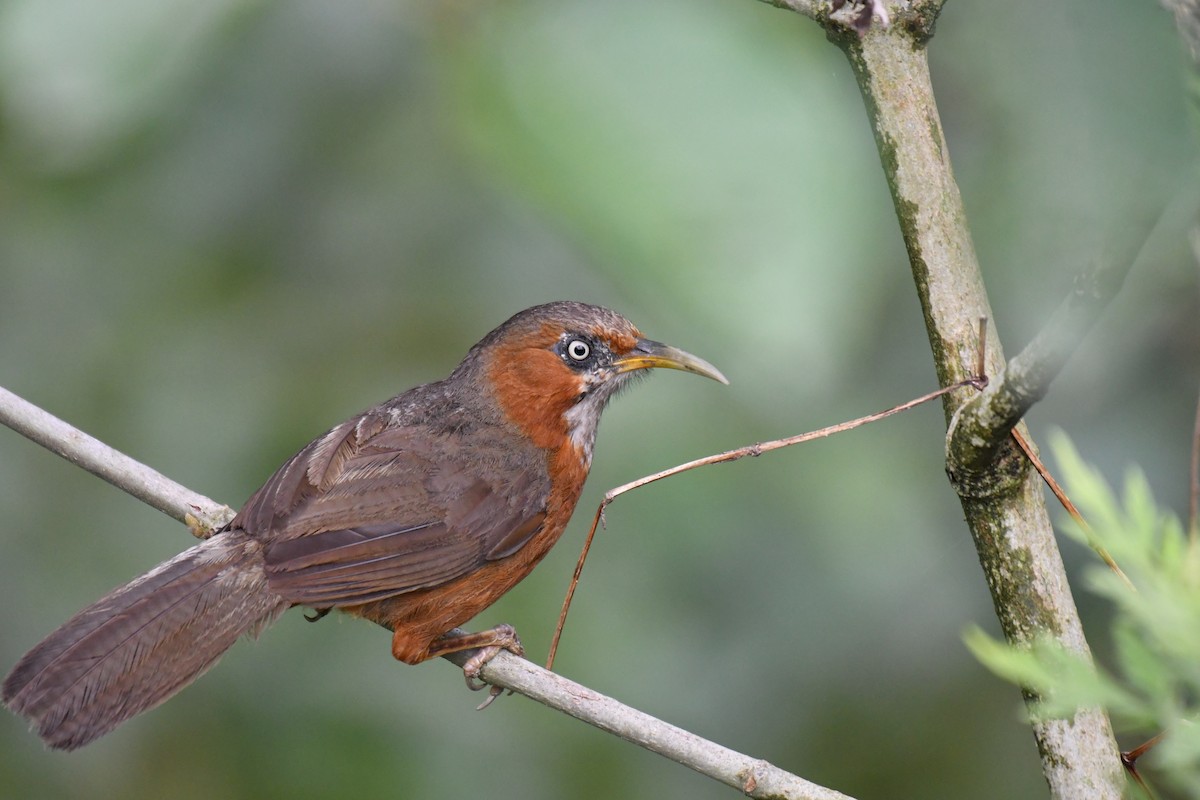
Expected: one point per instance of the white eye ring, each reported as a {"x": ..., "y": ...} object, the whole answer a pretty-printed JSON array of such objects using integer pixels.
[{"x": 578, "y": 350}]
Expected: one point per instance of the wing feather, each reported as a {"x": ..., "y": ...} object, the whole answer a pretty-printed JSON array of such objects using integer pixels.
[{"x": 369, "y": 511}]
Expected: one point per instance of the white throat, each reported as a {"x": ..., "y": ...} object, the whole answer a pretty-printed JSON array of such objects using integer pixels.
[{"x": 583, "y": 417}]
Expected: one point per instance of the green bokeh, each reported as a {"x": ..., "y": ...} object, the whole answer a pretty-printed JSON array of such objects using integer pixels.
[{"x": 226, "y": 226}]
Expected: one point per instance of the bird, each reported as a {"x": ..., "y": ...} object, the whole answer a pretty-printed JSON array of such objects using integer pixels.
[{"x": 416, "y": 514}]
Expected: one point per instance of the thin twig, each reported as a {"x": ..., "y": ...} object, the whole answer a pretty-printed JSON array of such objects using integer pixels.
[
  {"x": 574, "y": 584},
  {"x": 978, "y": 381},
  {"x": 753, "y": 777},
  {"x": 1070, "y": 507},
  {"x": 1129, "y": 759},
  {"x": 766, "y": 447}
]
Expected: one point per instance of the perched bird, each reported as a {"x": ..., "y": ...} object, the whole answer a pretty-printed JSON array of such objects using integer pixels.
[{"x": 416, "y": 514}]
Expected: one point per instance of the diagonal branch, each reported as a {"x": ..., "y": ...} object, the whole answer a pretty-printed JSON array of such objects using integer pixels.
[
  {"x": 982, "y": 425},
  {"x": 151, "y": 487},
  {"x": 753, "y": 777}
]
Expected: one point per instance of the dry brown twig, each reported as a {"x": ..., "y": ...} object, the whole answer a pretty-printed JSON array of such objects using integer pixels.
[
  {"x": 1070, "y": 508},
  {"x": 979, "y": 381}
]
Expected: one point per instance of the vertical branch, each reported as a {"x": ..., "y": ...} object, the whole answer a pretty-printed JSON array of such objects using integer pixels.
[{"x": 1002, "y": 498}]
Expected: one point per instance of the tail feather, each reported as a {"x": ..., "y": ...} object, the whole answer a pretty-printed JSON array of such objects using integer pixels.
[{"x": 142, "y": 643}]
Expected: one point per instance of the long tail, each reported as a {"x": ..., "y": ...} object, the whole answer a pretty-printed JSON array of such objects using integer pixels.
[{"x": 142, "y": 643}]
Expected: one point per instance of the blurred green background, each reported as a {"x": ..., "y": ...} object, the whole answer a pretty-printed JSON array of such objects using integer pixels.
[{"x": 226, "y": 226}]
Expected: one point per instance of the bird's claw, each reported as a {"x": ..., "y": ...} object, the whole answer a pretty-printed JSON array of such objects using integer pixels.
[
  {"x": 505, "y": 639},
  {"x": 493, "y": 693}
]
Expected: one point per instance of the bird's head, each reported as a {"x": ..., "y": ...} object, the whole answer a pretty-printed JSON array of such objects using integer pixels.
[{"x": 553, "y": 368}]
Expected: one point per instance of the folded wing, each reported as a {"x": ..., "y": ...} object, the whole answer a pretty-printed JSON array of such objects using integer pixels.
[{"x": 370, "y": 511}]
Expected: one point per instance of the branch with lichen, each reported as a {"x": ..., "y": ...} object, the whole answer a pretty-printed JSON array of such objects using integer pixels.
[
  {"x": 1002, "y": 498},
  {"x": 753, "y": 777}
]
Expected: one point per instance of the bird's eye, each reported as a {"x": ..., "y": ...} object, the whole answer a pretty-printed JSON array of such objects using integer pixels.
[{"x": 578, "y": 350}]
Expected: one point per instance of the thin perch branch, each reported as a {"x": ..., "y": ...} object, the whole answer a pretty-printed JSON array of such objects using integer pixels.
[
  {"x": 753, "y": 777},
  {"x": 153, "y": 488}
]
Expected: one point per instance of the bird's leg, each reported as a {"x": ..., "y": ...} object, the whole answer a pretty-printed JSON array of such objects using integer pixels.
[{"x": 489, "y": 643}]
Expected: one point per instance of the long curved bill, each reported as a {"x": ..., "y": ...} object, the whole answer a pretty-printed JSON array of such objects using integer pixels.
[{"x": 648, "y": 354}]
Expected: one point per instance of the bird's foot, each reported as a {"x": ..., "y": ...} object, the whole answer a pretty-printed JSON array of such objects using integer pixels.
[
  {"x": 486, "y": 644},
  {"x": 492, "y": 641},
  {"x": 507, "y": 639}
]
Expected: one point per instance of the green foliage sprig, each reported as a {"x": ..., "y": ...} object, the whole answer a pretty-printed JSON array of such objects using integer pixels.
[{"x": 1154, "y": 683}]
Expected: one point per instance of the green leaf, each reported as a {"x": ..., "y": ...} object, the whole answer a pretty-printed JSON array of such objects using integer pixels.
[{"x": 1018, "y": 666}]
